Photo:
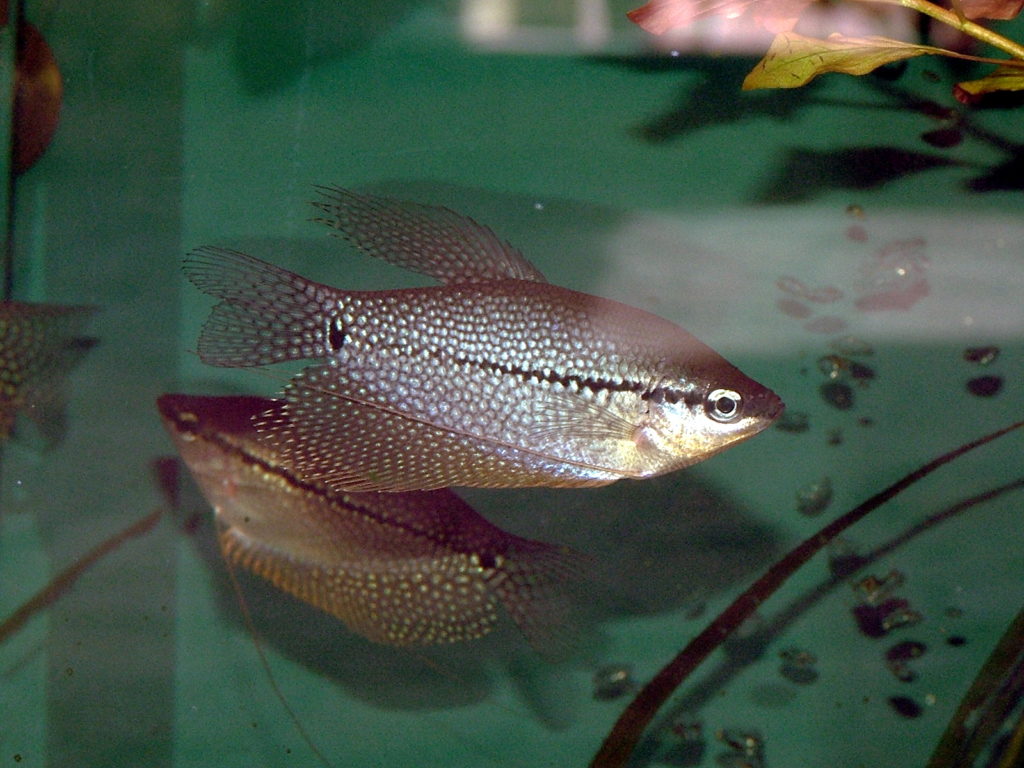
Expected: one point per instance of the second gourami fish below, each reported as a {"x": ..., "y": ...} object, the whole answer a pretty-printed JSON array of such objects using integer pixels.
[
  {"x": 494, "y": 378},
  {"x": 398, "y": 568}
]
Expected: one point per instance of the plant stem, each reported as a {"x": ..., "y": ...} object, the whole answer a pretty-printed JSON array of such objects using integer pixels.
[
  {"x": 62, "y": 582},
  {"x": 966, "y": 26},
  {"x": 624, "y": 736}
]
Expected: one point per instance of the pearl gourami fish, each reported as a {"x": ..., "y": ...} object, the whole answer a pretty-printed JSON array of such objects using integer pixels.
[
  {"x": 39, "y": 343},
  {"x": 412, "y": 568},
  {"x": 494, "y": 378}
]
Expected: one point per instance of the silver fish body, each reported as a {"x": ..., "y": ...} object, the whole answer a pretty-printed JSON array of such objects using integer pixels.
[
  {"x": 398, "y": 568},
  {"x": 494, "y": 378}
]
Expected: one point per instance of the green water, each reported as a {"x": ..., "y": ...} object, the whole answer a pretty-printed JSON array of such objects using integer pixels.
[{"x": 619, "y": 170}]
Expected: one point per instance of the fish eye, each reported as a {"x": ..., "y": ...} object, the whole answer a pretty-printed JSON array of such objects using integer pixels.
[{"x": 724, "y": 405}]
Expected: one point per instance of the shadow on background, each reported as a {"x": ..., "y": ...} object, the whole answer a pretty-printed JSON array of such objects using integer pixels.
[
  {"x": 716, "y": 99},
  {"x": 276, "y": 41}
]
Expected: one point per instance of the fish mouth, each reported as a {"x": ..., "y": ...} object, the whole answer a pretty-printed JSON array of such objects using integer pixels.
[{"x": 767, "y": 406}]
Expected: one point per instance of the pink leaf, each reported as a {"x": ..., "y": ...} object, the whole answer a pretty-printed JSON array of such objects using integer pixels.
[{"x": 991, "y": 9}]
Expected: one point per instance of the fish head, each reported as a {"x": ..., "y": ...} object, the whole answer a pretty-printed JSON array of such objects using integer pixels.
[
  {"x": 214, "y": 436},
  {"x": 236, "y": 474},
  {"x": 706, "y": 410},
  {"x": 187, "y": 420}
]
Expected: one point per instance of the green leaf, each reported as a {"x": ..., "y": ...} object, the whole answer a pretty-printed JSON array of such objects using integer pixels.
[
  {"x": 1003, "y": 79},
  {"x": 794, "y": 60}
]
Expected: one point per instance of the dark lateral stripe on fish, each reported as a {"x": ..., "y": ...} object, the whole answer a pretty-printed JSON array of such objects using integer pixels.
[
  {"x": 658, "y": 394},
  {"x": 337, "y": 335},
  {"x": 191, "y": 427}
]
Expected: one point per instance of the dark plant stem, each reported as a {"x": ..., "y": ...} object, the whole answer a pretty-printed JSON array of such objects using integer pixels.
[
  {"x": 624, "y": 736},
  {"x": 64, "y": 580}
]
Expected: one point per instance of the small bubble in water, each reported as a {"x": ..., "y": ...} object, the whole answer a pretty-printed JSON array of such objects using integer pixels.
[
  {"x": 612, "y": 681},
  {"x": 813, "y": 499},
  {"x": 538, "y": 206},
  {"x": 981, "y": 355},
  {"x": 838, "y": 394},
  {"x": 831, "y": 366},
  {"x": 985, "y": 386}
]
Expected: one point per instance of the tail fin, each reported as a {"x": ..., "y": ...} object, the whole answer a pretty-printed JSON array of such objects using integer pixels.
[
  {"x": 266, "y": 315},
  {"x": 39, "y": 344},
  {"x": 534, "y": 584}
]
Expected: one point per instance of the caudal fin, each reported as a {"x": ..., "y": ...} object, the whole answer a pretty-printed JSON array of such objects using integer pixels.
[
  {"x": 535, "y": 585},
  {"x": 39, "y": 344},
  {"x": 266, "y": 315}
]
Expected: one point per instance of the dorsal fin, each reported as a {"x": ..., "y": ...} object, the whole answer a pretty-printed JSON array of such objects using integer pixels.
[{"x": 423, "y": 238}]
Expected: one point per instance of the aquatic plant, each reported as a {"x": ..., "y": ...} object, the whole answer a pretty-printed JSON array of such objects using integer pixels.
[
  {"x": 793, "y": 59},
  {"x": 625, "y": 735}
]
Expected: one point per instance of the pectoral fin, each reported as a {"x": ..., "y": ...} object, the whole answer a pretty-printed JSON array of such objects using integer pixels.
[{"x": 331, "y": 430}]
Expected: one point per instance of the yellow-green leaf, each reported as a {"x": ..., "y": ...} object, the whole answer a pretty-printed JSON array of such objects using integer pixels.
[
  {"x": 794, "y": 60},
  {"x": 1003, "y": 79}
]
